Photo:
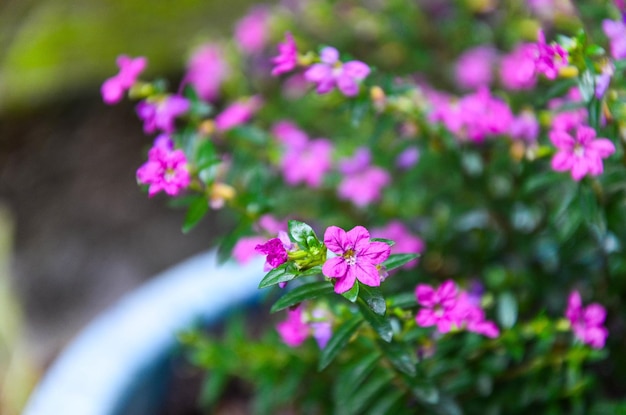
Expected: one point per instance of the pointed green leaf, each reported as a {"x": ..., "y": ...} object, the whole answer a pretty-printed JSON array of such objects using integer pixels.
[
  {"x": 380, "y": 324},
  {"x": 397, "y": 260},
  {"x": 302, "y": 293},
  {"x": 212, "y": 388},
  {"x": 425, "y": 391},
  {"x": 353, "y": 293},
  {"x": 371, "y": 388},
  {"x": 387, "y": 401},
  {"x": 401, "y": 356},
  {"x": 316, "y": 270},
  {"x": 302, "y": 234},
  {"x": 282, "y": 273},
  {"x": 339, "y": 340},
  {"x": 197, "y": 209},
  {"x": 387, "y": 241},
  {"x": 351, "y": 377},
  {"x": 403, "y": 300},
  {"x": 374, "y": 299}
]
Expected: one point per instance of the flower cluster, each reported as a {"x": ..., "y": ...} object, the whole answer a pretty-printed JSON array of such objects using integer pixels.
[{"x": 587, "y": 322}]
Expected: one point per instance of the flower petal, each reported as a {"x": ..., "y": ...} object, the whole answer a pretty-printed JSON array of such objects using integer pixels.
[
  {"x": 425, "y": 295},
  {"x": 345, "y": 284},
  {"x": 335, "y": 267},
  {"x": 367, "y": 273},
  {"x": 376, "y": 252},
  {"x": 336, "y": 240}
]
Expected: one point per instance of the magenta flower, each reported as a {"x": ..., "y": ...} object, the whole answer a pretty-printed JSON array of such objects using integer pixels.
[
  {"x": 293, "y": 331},
  {"x": 468, "y": 314},
  {"x": 244, "y": 250},
  {"x": 275, "y": 251},
  {"x": 362, "y": 183},
  {"x": 357, "y": 258},
  {"x": 582, "y": 155},
  {"x": 484, "y": 115},
  {"x": 517, "y": 69},
  {"x": 408, "y": 158},
  {"x": 251, "y": 30},
  {"x": 331, "y": 73},
  {"x": 438, "y": 306},
  {"x": 159, "y": 115},
  {"x": 287, "y": 58},
  {"x": 237, "y": 113},
  {"x": 525, "y": 127},
  {"x": 113, "y": 88},
  {"x": 166, "y": 170},
  {"x": 307, "y": 164},
  {"x": 616, "y": 32},
  {"x": 549, "y": 58},
  {"x": 587, "y": 323},
  {"x": 206, "y": 71},
  {"x": 405, "y": 241},
  {"x": 474, "y": 67},
  {"x": 289, "y": 134}
]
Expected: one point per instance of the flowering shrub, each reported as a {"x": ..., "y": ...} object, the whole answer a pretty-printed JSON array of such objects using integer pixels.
[{"x": 467, "y": 176}]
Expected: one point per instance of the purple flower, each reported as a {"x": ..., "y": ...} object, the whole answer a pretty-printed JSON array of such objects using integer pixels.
[
  {"x": 275, "y": 251},
  {"x": 587, "y": 323},
  {"x": 616, "y": 32},
  {"x": 405, "y": 241},
  {"x": 251, "y": 30},
  {"x": 525, "y": 127},
  {"x": 484, "y": 115},
  {"x": 467, "y": 314},
  {"x": 582, "y": 155},
  {"x": 357, "y": 163},
  {"x": 517, "y": 69},
  {"x": 287, "y": 58},
  {"x": 604, "y": 79},
  {"x": 408, "y": 158},
  {"x": 237, "y": 113},
  {"x": 166, "y": 170},
  {"x": 549, "y": 58},
  {"x": 438, "y": 306},
  {"x": 293, "y": 331},
  {"x": 364, "y": 187},
  {"x": 113, "y": 88},
  {"x": 331, "y": 73},
  {"x": 357, "y": 258},
  {"x": 160, "y": 114},
  {"x": 474, "y": 67},
  {"x": 307, "y": 164},
  {"x": 290, "y": 135},
  {"x": 206, "y": 71}
]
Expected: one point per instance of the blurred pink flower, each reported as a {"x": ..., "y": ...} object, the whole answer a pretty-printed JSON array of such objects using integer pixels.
[
  {"x": 484, "y": 115},
  {"x": 159, "y": 114},
  {"x": 437, "y": 305},
  {"x": 474, "y": 67},
  {"x": 113, "y": 89},
  {"x": 244, "y": 249},
  {"x": 289, "y": 134},
  {"x": 616, "y": 32},
  {"x": 307, "y": 163},
  {"x": 251, "y": 30},
  {"x": 287, "y": 58},
  {"x": 237, "y": 113},
  {"x": 517, "y": 69},
  {"x": 357, "y": 257},
  {"x": 293, "y": 331},
  {"x": 166, "y": 170},
  {"x": 362, "y": 183},
  {"x": 525, "y": 127},
  {"x": 549, "y": 58},
  {"x": 331, "y": 73},
  {"x": 587, "y": 323},
  {"x": 206, "y": 71},
  {"x": 405, "y": 241}
]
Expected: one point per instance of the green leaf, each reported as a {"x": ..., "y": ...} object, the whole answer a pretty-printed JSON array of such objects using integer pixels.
[
  {"x": 250, "y": 134},
  {"x": 387, "y": 401},
  {"x": 397, "y": 260},
  {"x": 282, "y": 273},
  {"x": 303, "y": 235},
  {"x": 507, "y": 310},
  {"x": 316, "y": 270},
  {"x": 353, "y": 293},
  {"x": 197, "y": 209},
  {"x": 387, "y": 241},
  {"x": 374, "y": 299},
  {"x": 351, "y": 377},
  {"x": 371, "y": 388},
  {"x": 403, "y": 300},
  {"x": 205, "y": 155},
  {"x": 379, "y": 323},
  {"x": 401, "y": 355},
  {"x": 302, "y": 293},
  {"x": 339, "y": 340},
  {"x": 212, "y": 388},
  {"x": 594, "y": 50},
  {"x": 425, "y": 391}
]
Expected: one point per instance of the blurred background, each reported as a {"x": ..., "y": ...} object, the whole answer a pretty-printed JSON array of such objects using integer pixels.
[{"x": 75, "y": 232}]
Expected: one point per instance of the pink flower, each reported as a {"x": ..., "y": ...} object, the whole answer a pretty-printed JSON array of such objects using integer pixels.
[
  {"x": 206, "y": 71},
  {"x": 290, "y": 135},
  {"x": 113, "y": 88},
  {"x": 160, "y": 114},
  {"x": 525, "y": 127},
  {"x": 287, "y": 58},
  {"x": 362, "y": 183},
  {"x": 333, "y": 73},
  {"x": 244, "y": 250},
  {"x": 293, "y": 331},
  {"x": 484, "y": 115},
  {"x": 357, "y": 258},
  {"x": 549, "y": 58},
  {"x": 275, "y": 251},
  {"x": 467, "y": 314},
  {"x": 474, "y": 67},
  {"x": 251, "y": 30},
  {"x": 166, "y": 170},
  {"x": 438, "y": 306},
  {"x": 587, "y": 323},
  {"x": 408, "y": 158},
  {"x": 405, "y": 241},
  {"x": 237, "y": 113},
  {"x": 307, "y": 164},
  {"x": 517, "y": 69},
  {"x": 616, "y": 32},
  {"x": 582, "y": 155}
]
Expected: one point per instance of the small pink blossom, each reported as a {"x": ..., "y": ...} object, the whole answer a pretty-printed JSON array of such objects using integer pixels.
[
  {"x": 469, "y": 315},
  {"x": 525, "y": 127},
  {"x": 113, "y": 89},
  {"x": 474, "y": 67},
  {"x": 549, "y": 58},
  {"x": 244, "y": 250},
  {"x": 616, "y": 32},
  {"x": 159, "y": 114},
  {"x": 357, "y": 257},
  {"x": 587, "y": 323},
  {"x": 166, "y": 170},
  {"x": 331, "y": 73},
  {"x": 251, "y": 30},
  {"x": 408, "y": 158},
  {"x": 206, "y": 71},
  {"x": 362, "y": 183},
  {"x": 405, "y": 241},
  {"x": 293, "y": 331},
  {"x": 583, "y": 154},
  {"x": 484, "y": 115},
  {"x": 438, "y": 306},
  {"x": 237, "y": 113},
  {"x": 517, "y": 69},
  {"x": 290, "y": 135},
  {"x": 275, "y": 251},
  {"x": 307, "y": 164},
  {"x": 287, "y": 59}
]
